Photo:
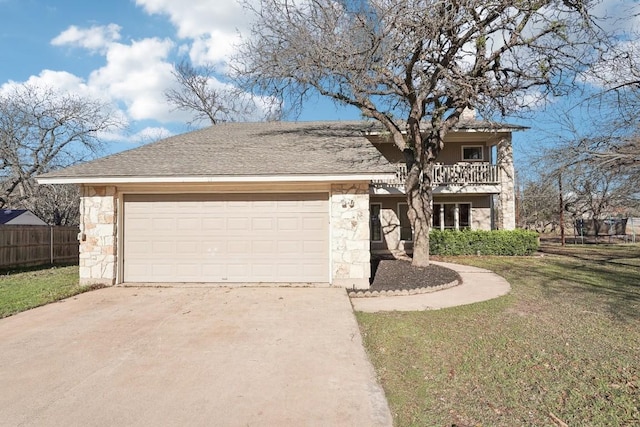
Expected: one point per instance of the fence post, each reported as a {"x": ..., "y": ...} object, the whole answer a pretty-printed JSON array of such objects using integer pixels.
[{"x": 51, "y": 243}]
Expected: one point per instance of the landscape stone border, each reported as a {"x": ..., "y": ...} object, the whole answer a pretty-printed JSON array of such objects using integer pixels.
[{"x": 365, "y": 293}]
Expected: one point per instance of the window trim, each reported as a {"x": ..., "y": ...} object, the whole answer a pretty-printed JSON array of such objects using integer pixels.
[{"x": 481, "y": 147}]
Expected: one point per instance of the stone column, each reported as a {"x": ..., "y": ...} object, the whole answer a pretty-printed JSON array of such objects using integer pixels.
[
  {"x": 98, "y": 231},
  {"x": 350, "y": 240},
  {"x": 506, "y": 206}
]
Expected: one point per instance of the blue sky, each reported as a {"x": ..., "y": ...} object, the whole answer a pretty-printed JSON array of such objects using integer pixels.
[{"x": 123, "y": 51}]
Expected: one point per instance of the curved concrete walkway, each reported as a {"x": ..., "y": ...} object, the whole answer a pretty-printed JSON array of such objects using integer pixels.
[{"x": 477, "y": 285}]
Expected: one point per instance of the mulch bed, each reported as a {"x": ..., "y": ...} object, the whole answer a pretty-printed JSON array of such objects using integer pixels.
[{"x": 395, "y": 275}]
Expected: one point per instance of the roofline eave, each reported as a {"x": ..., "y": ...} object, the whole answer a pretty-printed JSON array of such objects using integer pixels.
[{"x": 111, "y": 180}]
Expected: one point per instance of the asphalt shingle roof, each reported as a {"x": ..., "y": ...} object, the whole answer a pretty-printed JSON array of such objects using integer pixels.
[
  {"x": 7, "y": 215},
  {"x": 240, "y": 149},
  {"x": 256, "y": 149}
]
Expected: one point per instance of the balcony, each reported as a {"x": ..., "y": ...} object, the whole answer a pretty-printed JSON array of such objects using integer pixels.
[{"x": 461, "y": 177}]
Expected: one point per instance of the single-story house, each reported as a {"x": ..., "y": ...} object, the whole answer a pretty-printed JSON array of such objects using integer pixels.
[
  {"x": 19, "y": 217},
  {"x": 267, "y": 202}
]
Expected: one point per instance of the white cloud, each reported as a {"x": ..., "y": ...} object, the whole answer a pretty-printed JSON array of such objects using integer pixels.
[
  {"x": 147, "y": 135},
  {"x": 59, "y": 80},
  {"x": 200, "y": 17},
  {"x": 96, "y": 38},
  {"x": 62, "y": 82},
  {"x": 213, "y": 25},
  {"x": 137, "y": 74},
  {"x": 151, "y": 134}
]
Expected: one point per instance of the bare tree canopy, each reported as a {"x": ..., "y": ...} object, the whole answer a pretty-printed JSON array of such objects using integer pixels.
[
  {"x": 198, "y": 92},
  {"x": 416, "y": 65},
  {"x": 54, "y": 204},
  {"x": 40, "y": 130}
]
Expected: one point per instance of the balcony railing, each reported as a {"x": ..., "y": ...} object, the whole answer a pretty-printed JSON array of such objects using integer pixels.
[{"x": 458, "y": 174}]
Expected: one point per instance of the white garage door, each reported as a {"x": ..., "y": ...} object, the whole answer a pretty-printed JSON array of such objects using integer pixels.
[{"x": 226, "y": 238}]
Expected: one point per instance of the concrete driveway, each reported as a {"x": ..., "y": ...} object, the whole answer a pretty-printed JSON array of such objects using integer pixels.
[{"x": 189, "y": 356}]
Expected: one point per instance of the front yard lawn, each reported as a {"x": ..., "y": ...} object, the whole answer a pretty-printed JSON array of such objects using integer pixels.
[
  {"x": 23, "y": 290},
  {"x": 562, "y": 349}
]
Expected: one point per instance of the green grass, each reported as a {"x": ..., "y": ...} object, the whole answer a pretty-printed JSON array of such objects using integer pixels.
[
  {"x": 562, "y": 347},
  {"x": 31, "y": 288}
]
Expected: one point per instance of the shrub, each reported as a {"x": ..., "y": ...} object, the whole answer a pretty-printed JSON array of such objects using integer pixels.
[{"x": 482, "y": 242}]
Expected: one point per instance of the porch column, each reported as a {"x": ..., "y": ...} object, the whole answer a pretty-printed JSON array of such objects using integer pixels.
[
  {"x": 506, "y": 206},
  {"x": 441, "y": 216}
]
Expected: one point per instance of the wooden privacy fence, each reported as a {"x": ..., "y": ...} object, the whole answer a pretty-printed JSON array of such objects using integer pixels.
[{"x": 23, "y": 245}]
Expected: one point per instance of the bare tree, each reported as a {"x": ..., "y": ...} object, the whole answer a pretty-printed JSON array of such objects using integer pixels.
[
  {"x": 200, "y": 93},
  {"x": 415, "y": 65},
  {"x": 55, "y": 204},
  {"x": 538, "y": 205},
  {"x": 613, "y": 143},
  {"x": 591, "y": 188},
  {"x": 40, "y": 130}
]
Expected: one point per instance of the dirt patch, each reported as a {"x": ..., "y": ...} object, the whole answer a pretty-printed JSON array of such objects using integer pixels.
[{"x": 397, "y": 274}]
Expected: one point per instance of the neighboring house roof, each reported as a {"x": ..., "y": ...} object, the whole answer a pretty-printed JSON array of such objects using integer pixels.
[
  {"x": 19, "y": 217},
  {"x": 240, "y": 150}
]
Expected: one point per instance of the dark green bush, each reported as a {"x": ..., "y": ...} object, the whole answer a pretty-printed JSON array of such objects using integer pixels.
[{"x": 481, "y": 242}]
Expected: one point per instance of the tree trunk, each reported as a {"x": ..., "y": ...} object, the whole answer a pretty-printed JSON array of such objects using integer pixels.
[
  {"x": 420, "y": 159},
  {"x": 419, "y": 202}
]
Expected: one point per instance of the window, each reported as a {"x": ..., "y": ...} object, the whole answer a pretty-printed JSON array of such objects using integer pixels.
[
  {"x": 374, "y": 223},
  {"x": 444, "y": 215},
  {"x": 464, "y": 215},
  {"x": 472, "y": 153},
  {"x": 406, "y": 232}
]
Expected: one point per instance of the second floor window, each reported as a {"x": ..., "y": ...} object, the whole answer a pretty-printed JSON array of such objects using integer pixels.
[{"x": 472, "y": 153}]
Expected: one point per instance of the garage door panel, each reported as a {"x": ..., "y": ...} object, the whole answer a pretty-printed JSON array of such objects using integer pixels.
[
  {"x": 188, "y": 224},
  {"x": 226, "y": 238},
  {"x": 263, "y": 247},
  {"x": 313, "y": 247},
  {"x": 312, "y": 224},
  {"x": 162, "y": 270},
  {"x": 189, "y": 271},
  {"x": 237, "y": 224},
  {"x": 262, "y": 223},
  {"x": 288, "y": 224},
  {"x": 238, "y": 247},
  {"x": 213, "y": 269},
  {"x": 266, "y": 206},
  {"x": 212, "y": 224},
  {"x": 188, "y": 247},
  {"x": 289, "y": 247},
  {"x": 313, "y": 269}
]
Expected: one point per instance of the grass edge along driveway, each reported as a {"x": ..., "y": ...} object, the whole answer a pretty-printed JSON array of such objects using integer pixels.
[
  {"x": 33, "y": 287},
  {"x": 562, "y": 348}
]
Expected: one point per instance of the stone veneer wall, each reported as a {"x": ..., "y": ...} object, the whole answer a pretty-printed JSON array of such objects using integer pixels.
[
  {"x": 506, "y": 215},
  {"x": 98, "y": 210},
  {"x": 350, "y": 245}
]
